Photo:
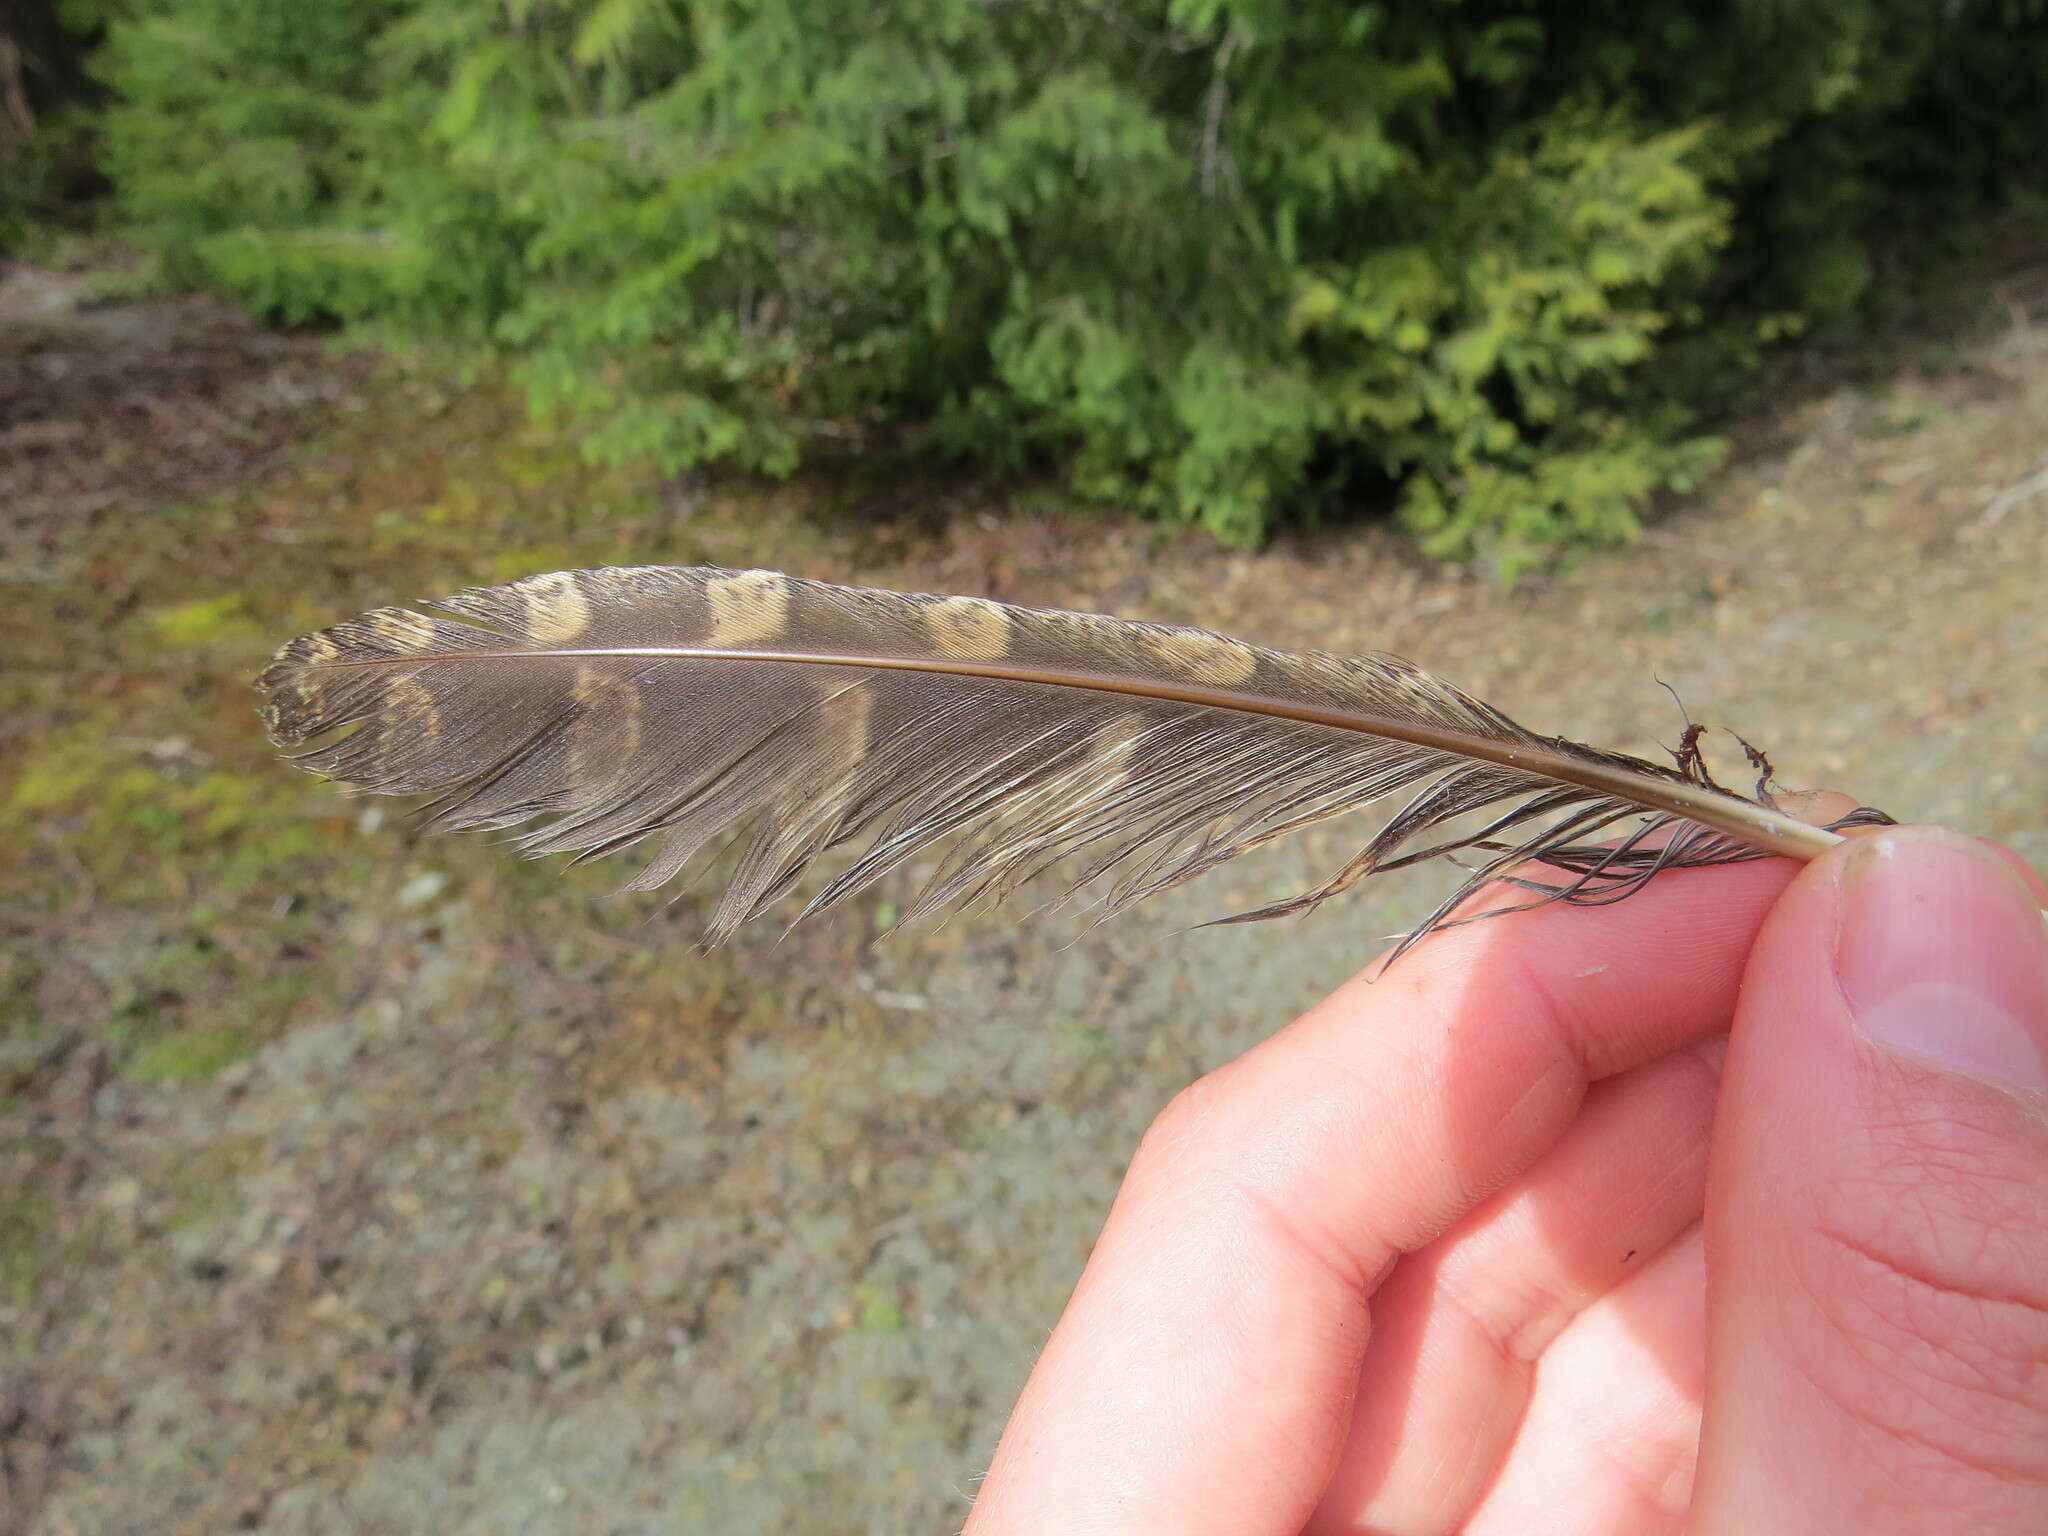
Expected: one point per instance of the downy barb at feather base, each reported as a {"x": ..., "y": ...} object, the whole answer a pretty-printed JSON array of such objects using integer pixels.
[{"x": 686, "y": 706}]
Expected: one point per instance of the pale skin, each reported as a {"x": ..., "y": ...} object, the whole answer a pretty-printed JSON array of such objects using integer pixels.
[{"x": 1723, "y": 1209}]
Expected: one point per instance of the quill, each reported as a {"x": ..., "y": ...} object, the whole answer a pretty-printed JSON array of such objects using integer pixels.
[{"x": 598, "y": 709}]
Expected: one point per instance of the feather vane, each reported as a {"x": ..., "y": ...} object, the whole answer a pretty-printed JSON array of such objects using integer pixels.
[{"x": 682, "y": 706}]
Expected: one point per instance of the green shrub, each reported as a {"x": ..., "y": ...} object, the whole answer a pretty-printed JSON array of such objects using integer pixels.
[
  {"x": 1223, "y": 260},
  {"x": 45, "y": 124}
]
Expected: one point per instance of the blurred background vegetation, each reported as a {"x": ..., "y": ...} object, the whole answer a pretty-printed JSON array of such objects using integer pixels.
[
  {"x": 355, "y": 1180},
  {"x": 1225, "y": 262}
]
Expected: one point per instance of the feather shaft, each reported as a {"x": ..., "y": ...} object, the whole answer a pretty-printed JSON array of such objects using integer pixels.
[{"x": 1763, "y": 828}]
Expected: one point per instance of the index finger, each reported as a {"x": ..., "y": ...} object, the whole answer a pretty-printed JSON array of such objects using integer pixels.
[{"x": 1201, "y": 1378}]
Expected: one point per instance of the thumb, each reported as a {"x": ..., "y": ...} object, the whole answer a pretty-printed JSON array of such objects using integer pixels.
[{"x": 1877, "y": 1210}]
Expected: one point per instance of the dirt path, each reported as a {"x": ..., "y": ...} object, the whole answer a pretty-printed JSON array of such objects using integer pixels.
[{"x": 522, "y": 1216}]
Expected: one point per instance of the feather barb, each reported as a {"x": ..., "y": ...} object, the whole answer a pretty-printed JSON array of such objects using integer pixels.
[{"x": 685, "y": 706}]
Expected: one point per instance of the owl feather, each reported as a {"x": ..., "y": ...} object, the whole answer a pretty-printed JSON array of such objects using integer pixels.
[{"x": 980, "y": 744}]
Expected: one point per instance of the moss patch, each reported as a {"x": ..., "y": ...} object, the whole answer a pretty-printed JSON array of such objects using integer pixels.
[{"x": 191, "y": 1054}]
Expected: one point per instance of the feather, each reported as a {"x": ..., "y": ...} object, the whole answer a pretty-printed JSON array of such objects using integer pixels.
[{"x": 684, "y": 706}]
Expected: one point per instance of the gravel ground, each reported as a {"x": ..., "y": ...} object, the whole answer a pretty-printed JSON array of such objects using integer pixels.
[{"x": 488, "y": 1246}]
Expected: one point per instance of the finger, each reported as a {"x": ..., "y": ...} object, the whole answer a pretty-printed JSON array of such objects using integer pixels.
[
  {"x": 1611, "y": 1438},
  {"x": 1459, "y": 1329},
  {"x": 1203, "y": 1375},
  {"x": 2029, "y": 876},
  {"x": 1877, "y": 1225}
]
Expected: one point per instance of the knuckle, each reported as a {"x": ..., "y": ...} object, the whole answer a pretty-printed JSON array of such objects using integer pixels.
[
  {"x": 1252, "y": 1177},
  {"x": 1190, "y": 1135},
  {"x": 1185, "y": 1118}
]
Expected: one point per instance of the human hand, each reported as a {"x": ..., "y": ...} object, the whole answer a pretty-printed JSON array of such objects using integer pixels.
[{"x": 1501, "y": 1243}]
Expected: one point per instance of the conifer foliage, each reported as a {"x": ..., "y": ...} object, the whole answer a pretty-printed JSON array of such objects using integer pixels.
[{"x": 1224, "y": 261}]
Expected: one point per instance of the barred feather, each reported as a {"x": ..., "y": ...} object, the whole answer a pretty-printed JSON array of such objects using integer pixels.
[{"x": 684, "y": 706}]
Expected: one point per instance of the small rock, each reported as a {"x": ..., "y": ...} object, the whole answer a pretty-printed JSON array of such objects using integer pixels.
[{"x": 422, "y": 888}]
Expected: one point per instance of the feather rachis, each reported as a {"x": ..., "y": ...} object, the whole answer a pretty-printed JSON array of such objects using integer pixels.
[{"x": 600, "y": 709}]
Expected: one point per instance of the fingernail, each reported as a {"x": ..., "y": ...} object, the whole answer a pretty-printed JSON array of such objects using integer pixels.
[{"x": 1942, "y": 955}]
